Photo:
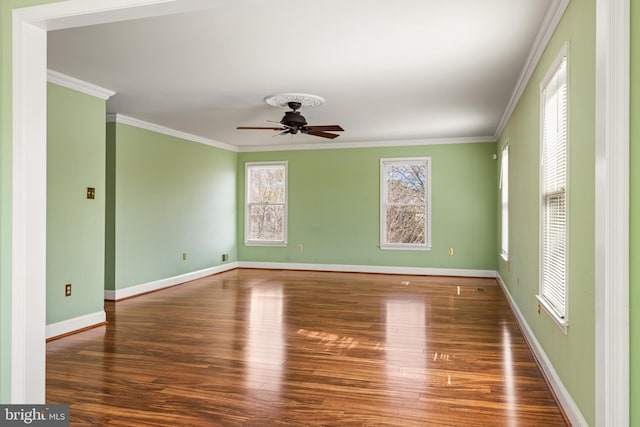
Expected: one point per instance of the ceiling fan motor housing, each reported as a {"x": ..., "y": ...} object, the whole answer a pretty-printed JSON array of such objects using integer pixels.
[{"x": 293, "y": 119}]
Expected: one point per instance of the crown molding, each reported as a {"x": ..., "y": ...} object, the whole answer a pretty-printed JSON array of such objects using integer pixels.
[
  {"x": 370, "y": 144},
  {"x": 119, "y": 118},
  {"x": 548, "y": 27},
  {"x": 79, "y": 85}
]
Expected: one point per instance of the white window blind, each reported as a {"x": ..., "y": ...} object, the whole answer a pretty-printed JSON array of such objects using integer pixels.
[
  {"x": 504, "y": 201},
  {"x": 553, "y": 287}
]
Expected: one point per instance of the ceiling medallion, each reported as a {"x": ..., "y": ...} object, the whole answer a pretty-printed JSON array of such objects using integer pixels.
[{"x": 283, "y": 99}]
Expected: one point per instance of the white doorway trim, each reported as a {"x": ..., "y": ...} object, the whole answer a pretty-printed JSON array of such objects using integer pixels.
[
  {"x": 29, "y": 218},
  {"x": 612, "y": 212}
]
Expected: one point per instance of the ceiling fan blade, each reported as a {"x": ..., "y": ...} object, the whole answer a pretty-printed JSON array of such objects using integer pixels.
[
  {"x": 291, "y": 129},
  {"x": 280, "y": 123},
  {"x": 334, "y": 128},
  {"x": 322, "y": 134},
  {"x": 284, "y": 132},
  {"x": 258, "y": 128}
]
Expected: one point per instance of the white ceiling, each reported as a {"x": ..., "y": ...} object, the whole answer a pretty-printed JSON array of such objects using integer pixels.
[{"x": 389, "y": 71}]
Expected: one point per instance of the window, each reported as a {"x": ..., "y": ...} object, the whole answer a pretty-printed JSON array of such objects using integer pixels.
[
  {"x": 553, "y": 275},
  {"x": 266, "y": 203},
  {"x": 405, "y": 221},
  {"x": 504, "y": 202}
]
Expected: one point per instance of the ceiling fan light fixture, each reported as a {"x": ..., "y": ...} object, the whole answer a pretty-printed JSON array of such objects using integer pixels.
[
  {"x": 293, "y": 122},
  {"x": 283, "y": 99}
]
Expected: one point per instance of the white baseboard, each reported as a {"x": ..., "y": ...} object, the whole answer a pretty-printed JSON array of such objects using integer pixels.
[
  {"x": 143, "y": 288},
  {"x": 369, "y": 269},
  {"x": 75, "y": 324},
  {"x": 569, "y": 406}
]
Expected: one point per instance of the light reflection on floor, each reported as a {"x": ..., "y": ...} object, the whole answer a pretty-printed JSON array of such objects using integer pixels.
[
  {"x": 405, "y": 340},
  {"x": 404, "y": 348},
  {"x": 265, "y": 350},
  {"x": 510, "y": 394},
  {"x": 328, "y": 342}
]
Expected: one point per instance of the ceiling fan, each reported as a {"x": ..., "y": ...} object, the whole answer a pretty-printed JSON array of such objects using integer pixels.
[{"x": 294, "y": 122}]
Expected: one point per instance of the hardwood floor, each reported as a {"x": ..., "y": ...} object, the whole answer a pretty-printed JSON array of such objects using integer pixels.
[{"x": 268, "y": 348}]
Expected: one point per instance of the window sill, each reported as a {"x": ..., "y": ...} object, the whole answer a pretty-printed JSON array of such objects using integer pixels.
[
  {"x": 390, "y": 247},
  {"x": 563, "y": 324},
  {"x": 266, "y": 243}
]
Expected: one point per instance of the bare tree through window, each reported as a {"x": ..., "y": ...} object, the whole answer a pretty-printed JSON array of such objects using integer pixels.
[
  {"x": 266, "y": 202},
  {"x": 405, "y": 202}
]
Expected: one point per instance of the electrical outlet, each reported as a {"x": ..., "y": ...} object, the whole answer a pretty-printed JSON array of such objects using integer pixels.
[
  {"x": 91, "y": 193},
  {"x": 299, "y": 248},
  {"x": 225, "y": 257},
  {"x": 67, "y": 290},
  {"x": 450, "y": 251},
  {"x": 184, "y": 256}
]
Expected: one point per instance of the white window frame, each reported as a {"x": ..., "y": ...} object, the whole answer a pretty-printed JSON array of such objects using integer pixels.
[
  {"x": 426, "y": 161},
  {"x": 504, "y": 201},
  {"x": 247, "y": 205},
  {"x": 554, "y": 296}
]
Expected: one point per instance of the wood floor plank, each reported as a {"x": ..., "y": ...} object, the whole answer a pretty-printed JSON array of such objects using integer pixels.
[{"x": 292, "y": 348}]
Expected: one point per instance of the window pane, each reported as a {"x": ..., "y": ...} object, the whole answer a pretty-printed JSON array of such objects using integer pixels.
[
  {"x": 266, "y": 222},
  {"x": 554, "y": 239},
  {"x": 405, "y": 184},
  {"x": 267, "y": 184},
  {"x": 406, "y": 224}
]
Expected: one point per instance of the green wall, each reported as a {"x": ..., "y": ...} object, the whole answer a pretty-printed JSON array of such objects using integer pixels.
[
  {"x": 334, "y": 207},
  {"x": 172, "y": 196},
  {"x": 75, "y": 224},
  {"x": 573, "y": 354},
  {"x": 634, "y": 219}
]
